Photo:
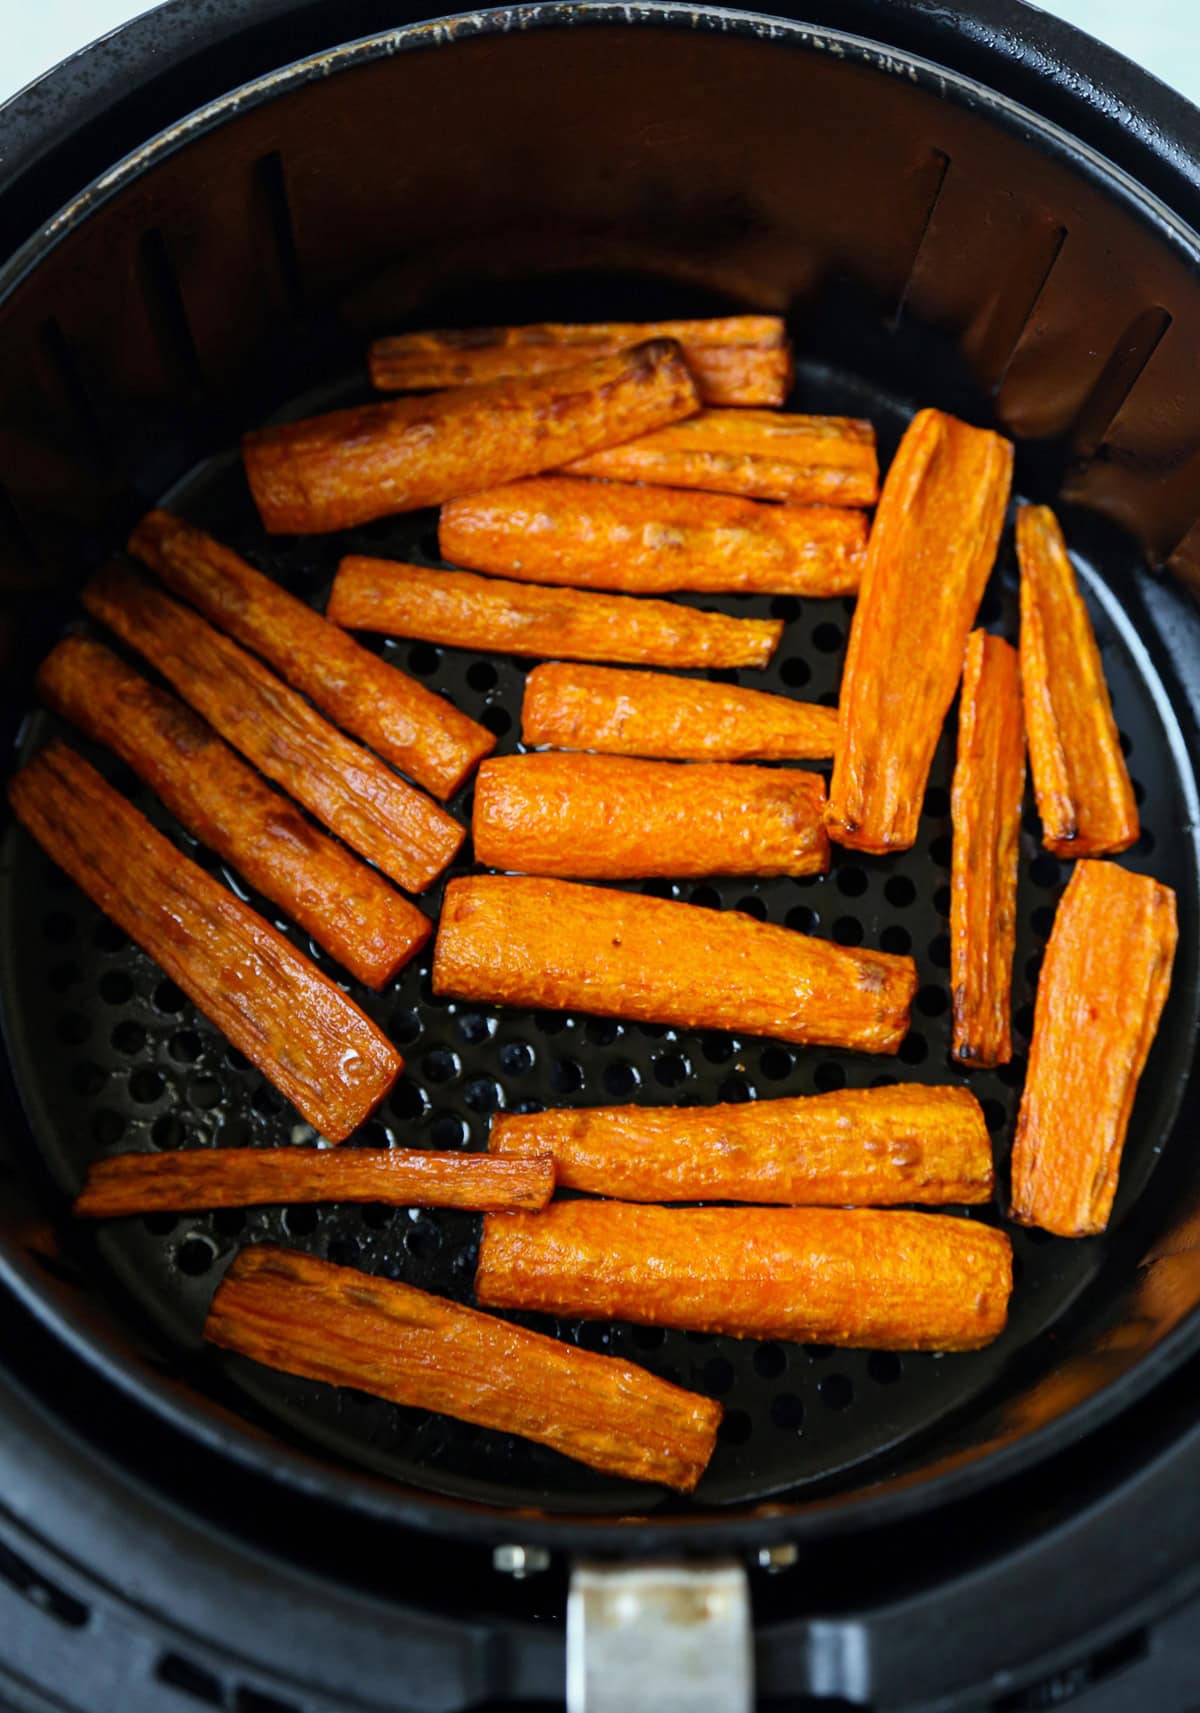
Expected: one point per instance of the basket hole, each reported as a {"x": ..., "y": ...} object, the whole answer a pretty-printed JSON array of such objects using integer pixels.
[
  {"x": 776, "y": 1063},
  {"x": 448, "y": 1131},
  {"x": 115, "y": 987},
  {"x": 497, "y": 720},
  {"x": 195, "y": 1256},
  {"x": 621, "y": 1079},
  {"x": 770, "y": 1360},
  {"x": 753, "y": 906},
  {"x": 441, "y": 1065},
  {"x": 167, "y": 997},
  {"x": 482, "y": 675},
  {"x": 404, "y": 1027},
  {"x": 718, "y": 1376},
  {"x": 1044, "y": 870},
  {"x": 345, "y": 1251},
  {"x": 828, "y": 638},
  {"x": 129, "y": 1038},
  {"x": 185, "y": 1047},
  {"x": 424, "y": 659},
  {"x": 73, "y": 1029},
  {"x": 895, "y": 940},
  {"x": 1042, "y": 920},
  {"x": 914, "y": 1049},
  {"x": 932, "y": 1001},
  {"x": 603, "y": 1031},
  {"x": 939, "y": 952},
  {"x": 707, "y": 897},
  {"x": 850, "y": 881},
  {"x": 516, "y": 1058},
  {"x": 941, "y": 850},
  {"x": 87, "y": 1078},
  {"x": 377, "y": 1215},
  {"x": 107, "y": 1127},
  {"x": 795, "y": 673},
  {"x": 204, "y": 1094},
  {"x": 236, "y": 1060},
  {"x": 407, "y": 1101},
  {"x": 941, "y": 901},
  {"x": 803, "y": 918},
  {"x": 848, "y": 931},
  {"x": 736, "y": 1428},
  {"x": 994, "y": 1115},
  {"x": 484, "y": 1095},
  {"x": 566, "y": 1076},
  {"x": 551, "y": 1022},
  {"x": 423, "y": 1239},
  {"x": 937, "y": 802},
  {"x": 671, "y": 1070},
  {"x": 837, "y": 1391},
  {"x": 717, "y": 1049},
  {"x": 884, "y": 1367},
  {"x": 828, "y": 1077},
  {"x": 229, "y": 1221},
  {"x": 300, "y": 1221},
  {"x": 785, "y": 607},
  {"x": 899, "y": 891},
  {"x": 649, "y": 1337},
  {"x": 167, "y": 1131},
  {"x": 735, "y": 1090},
  {"x": 1012, "y": 1075},
  {"x": 787, "y": 1411},
  {"x": 107, "y": 937}
]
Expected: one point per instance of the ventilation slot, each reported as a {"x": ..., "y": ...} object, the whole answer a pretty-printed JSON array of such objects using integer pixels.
[
  {"x": 63, "y": 369},
  {"x": 1006, "y": 318},
  {"x": 932, "y": 176},
  {"x": 1117, "y": 379},
  {"x": 190, "y": 1679},
  {"x": 1065, "y": 1685},
  {"x": 271, "y": 186},
  {"x": 166, "y": 314},
  {"x": 48, "y": 1598}
]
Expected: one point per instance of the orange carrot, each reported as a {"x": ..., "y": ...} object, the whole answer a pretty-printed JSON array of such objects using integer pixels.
[
  {"x": 678, "y": 719},
  {"x": 350, "y": 466},
  {"x": 1080, "y": 780},
  {"x": 295, "y": 1024},
  {"x": 463, "y": 611},
  {"x": 737, "y": 359},
  {"x": 420, "y": 733},
  {"x": 362, "y": 801},
  {"x": 871, "y": 1147},
  {"x": 892, "y": 1281},
  {"x": 989, "y": 780},
  {"x": 930, "y": 553},
  {"x": 555, "y": 946},
  {"x": 763, "y": 454},
  {"x": 343, "y": 904},
  {"x": 652, "y": 541},
  {"x": 608, "y": 817},
  {"x": 346, "y": 1328},
  {"x": 1100, "y": 996},
  {"x": 202, "y": 1178}
]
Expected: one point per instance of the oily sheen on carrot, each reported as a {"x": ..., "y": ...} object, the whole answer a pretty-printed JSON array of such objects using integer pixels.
[
  {"x": 344, "y": 1327},
  {"x": 202, "y": 1178},
  {"x": 343, "y": 904},
  {"x": 931, "y": 549},
  {"x": 886, "y": 1280},
  {"x": 464, "y": 611},
  {"x": 378, "y": 814},
  {"x": 350, "y": 466},
  {"x": 609, "y": 817},
  {"x": 1100, "y": 996},
  {"x": 652, "y": 541},
  {"x": 420, "y": 733},
  {"x": 509, "y": 940},
  {"x": 865, "y": 1147},
  {"x": 677, "y": 719},
  {"x": 296, "y": 1025},
  {"x": 736, "y": 359},
  {"x": 989, "y": 782},
  {"x": 1084, "y": 795},
  {"x": 763, "y": 454}
]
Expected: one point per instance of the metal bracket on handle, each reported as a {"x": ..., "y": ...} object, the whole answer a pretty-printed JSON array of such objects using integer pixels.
[{"x": 660, "y": 1638}]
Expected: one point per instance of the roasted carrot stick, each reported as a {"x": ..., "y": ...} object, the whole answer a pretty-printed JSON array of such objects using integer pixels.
[
  {"x": 547, "y": 943},
  {"x": 763, "y": 454},
  {"x": 1080, "y": 780},
  {"x": 608, "y": 817},
  {"x": 420, "y": 733},
  {"x": 248, "y": 1177},
  {"x": 737, "y": 359},
  {"x": 354, "y": 465},
  {"x": 1100, "y": 996},
  {"x": 893, "y": 1281},
  {"x": 930, "y": 553},
  {"x": 362, "y": 801},
  {"x": 346, "y": 1328},
  {"x": 989, "y": 780},
  {"x": 871, "y": 1147},
  {"x": 343, "y": 904},
  {"x": 677, "y": 719},
  {"x": 295, "y": 1024},
  {"x": 464, "y": 611},
  {"x": 652, "y": 541}
]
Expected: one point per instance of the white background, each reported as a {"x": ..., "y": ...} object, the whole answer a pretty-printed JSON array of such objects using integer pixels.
[{"x": 1162, "y": 35}]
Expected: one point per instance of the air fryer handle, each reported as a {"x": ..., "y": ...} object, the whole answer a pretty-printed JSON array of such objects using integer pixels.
[{"x": 671, "y": 1637}]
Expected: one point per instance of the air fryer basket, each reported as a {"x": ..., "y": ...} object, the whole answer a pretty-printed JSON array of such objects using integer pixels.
[{"x": 931, "y": 243}]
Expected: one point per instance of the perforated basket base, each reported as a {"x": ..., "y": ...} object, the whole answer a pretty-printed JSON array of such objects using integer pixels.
[{"x": 108, "y": 1056}]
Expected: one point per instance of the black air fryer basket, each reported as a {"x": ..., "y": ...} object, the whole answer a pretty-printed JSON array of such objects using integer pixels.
[{"x": 206, "y": 217}]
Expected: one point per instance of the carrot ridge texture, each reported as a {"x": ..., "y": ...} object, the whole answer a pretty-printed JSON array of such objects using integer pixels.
[
  {"x": 761, "y": 454},
  {"x": 345, "y": 1328},
  {"x": 652, "y": 541},
  {"x": 201, "y": 1178},
  {"x": 610, "y": 817},
  {"x": 1101, "y": 993},
  {"x": 464, "y": 611},
  {"x": 884, "y": 1280},
  {"x": 346, "y": 906},
  {"x": 557, "y": 946},
  {"x": 865, "y": 1147},
  {"x": 735, "y": 360},
  {"x": 408, "y": 725},
  {"x": 932, "y": 546},
  {"x": 296, "y": 1025},
  {"x": 676, "y": 719},
  {"x": 376, "y": 812},
  {"x": 989, "y": 782},
  {"x": 349, "y": 466},
  {"x": 1084, "y": 795}
]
